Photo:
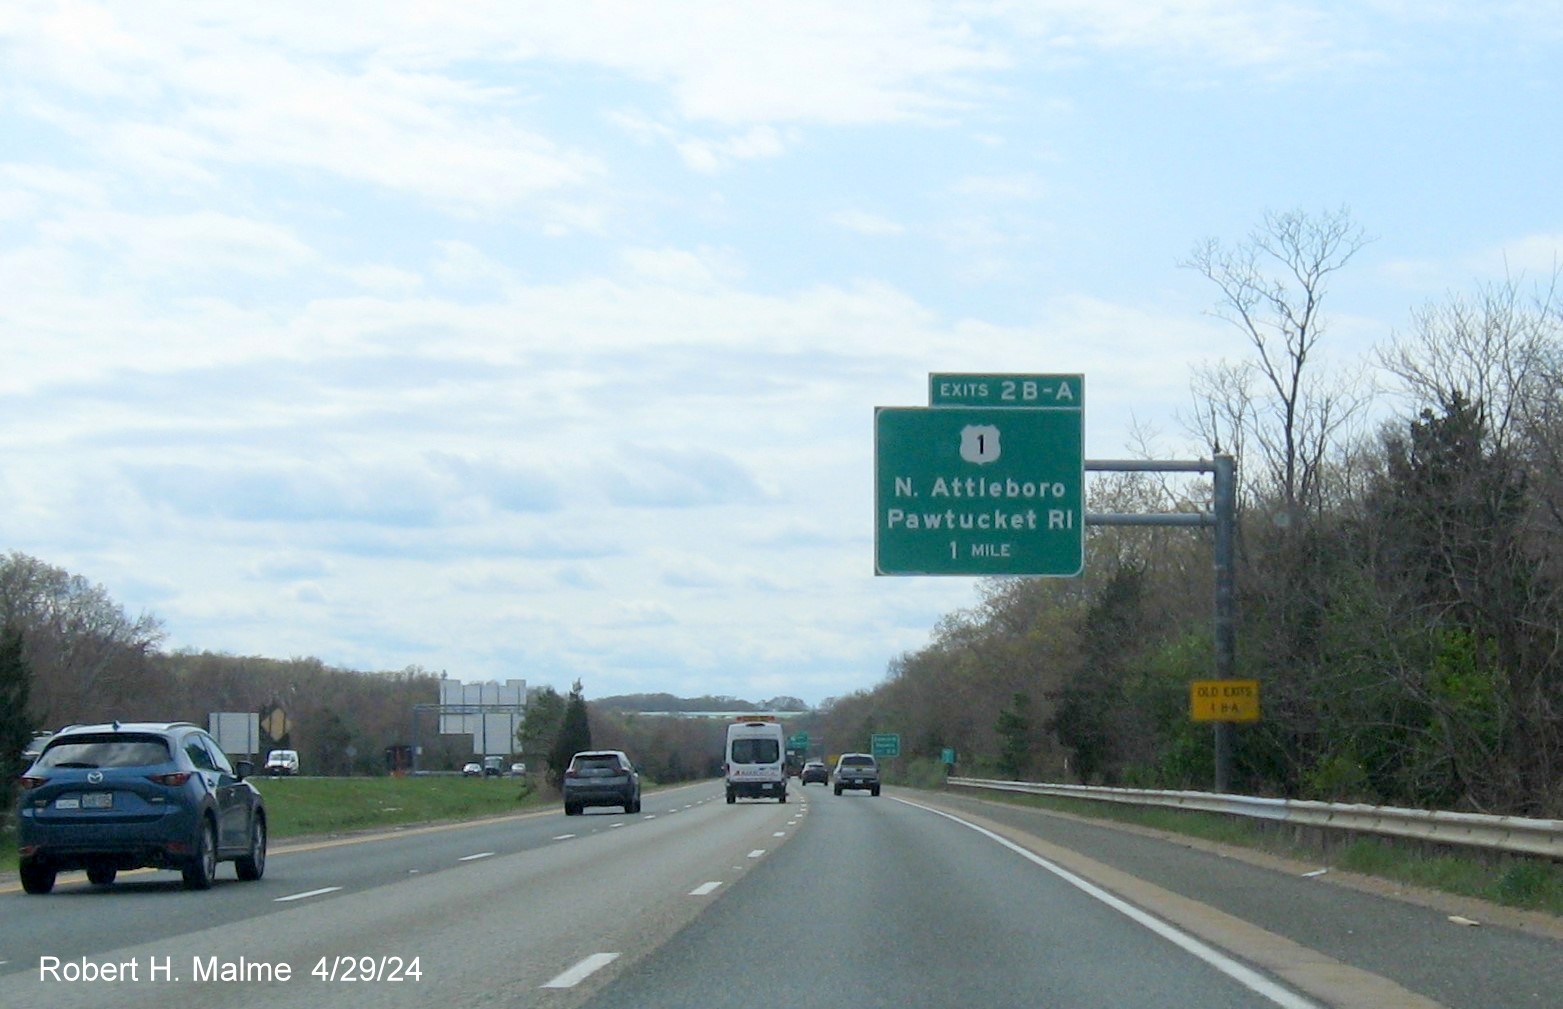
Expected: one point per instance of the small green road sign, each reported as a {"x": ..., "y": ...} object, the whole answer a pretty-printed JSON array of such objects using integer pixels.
[
  {"x": 947, "y": 756},
  {"x": 1037, "y": 392},
  {"x": 979, "y": 491},
  {"x": 885, "y": 744}
]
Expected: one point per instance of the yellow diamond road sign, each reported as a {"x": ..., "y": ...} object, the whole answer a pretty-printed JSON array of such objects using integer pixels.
[{"x": 276, "y": 724}]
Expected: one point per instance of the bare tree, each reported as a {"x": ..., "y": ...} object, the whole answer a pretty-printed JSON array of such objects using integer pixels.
[
  {"x": 1499, "y": 350},
  {"x": 1272, "y": 288}
]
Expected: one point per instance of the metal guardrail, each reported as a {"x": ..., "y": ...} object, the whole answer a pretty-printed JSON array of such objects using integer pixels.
[{"x": 1516, "y": 834}]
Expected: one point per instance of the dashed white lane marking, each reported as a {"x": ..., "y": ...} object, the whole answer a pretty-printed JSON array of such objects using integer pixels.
[
  {"x": 615, "y": 826},
  {"x": 583, "y": 970},
  {"x": 307, "y": 893},
  {"x": 699, "y": 891},
  {"x": 652, "y": 816},
  {"x": 564, "y": 837},
  {"x": 474, "y": 858},
  {"x": 780, "y": 833},
  {"x": 756, "y": 853}
]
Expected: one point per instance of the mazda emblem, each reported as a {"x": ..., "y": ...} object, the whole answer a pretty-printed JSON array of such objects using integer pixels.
[{"x": 95, "y": 776}]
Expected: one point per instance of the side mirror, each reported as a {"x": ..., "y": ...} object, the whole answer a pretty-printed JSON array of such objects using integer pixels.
[{"x": 243, "y": 769}]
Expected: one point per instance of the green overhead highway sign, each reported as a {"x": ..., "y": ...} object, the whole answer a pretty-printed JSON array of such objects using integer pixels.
[
  {"x": 979, "y": 491},
  {"x": 1038, "y": 392}
]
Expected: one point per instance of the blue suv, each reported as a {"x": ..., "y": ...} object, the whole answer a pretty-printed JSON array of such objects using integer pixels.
[{"x": 126, "y": 795}]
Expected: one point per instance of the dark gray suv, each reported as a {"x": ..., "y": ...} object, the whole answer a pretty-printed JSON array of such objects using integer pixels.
[
  {"x": 601, "y": 778},
  {"x": 125, "y": 795}
]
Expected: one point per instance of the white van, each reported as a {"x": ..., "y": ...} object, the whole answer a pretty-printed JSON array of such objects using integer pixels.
[
  {"x": 281, "y": 762},
  {"x": 756, "y": 759}
]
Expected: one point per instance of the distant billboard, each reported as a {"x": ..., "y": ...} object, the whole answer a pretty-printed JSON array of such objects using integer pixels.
[
  {"x": 490, "y": 713},
  {"x": 237, "y": 732}
]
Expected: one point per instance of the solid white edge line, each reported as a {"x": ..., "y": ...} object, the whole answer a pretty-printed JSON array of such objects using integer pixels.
[
  {"x": 699, "y": 891},
  {"x": 306, "y": 893},
  {"x": 474, "y": 858},
  {"x": 581, "y": 971},
  {"x": 1243, "y": 975}
]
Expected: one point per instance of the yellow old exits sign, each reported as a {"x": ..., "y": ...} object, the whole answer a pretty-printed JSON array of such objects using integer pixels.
[{"x": 1224, "y": 700}]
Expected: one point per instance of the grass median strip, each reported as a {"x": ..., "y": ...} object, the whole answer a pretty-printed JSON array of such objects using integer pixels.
[{"x": 303, "y": 806}]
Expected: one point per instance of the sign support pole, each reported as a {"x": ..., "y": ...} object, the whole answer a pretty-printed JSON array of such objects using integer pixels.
[
  {"x": 1226, "y": 629},
  {"x": 1223, "y": 517}
]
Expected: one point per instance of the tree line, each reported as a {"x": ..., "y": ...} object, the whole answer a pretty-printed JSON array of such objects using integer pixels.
[
  {"x": 74, "y": 655},
  {"x": 69, "y": 653},
  {"x": 1399, "y": 571}
]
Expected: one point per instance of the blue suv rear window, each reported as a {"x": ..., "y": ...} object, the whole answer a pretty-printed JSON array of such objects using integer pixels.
[{"x": 106, "y": 751}]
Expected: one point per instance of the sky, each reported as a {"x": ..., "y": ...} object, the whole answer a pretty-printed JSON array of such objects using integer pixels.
[{"x": 543, "y": 341}]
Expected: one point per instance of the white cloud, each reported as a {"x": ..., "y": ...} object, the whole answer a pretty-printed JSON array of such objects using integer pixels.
[
  {"x": 865, "y": 223},
  {"x": 684, "y": 269},
  {"x": 192, "y": 97},
  {"x": 1278, "y": 35},
  {"x": 1527, "y": 258},
  {"x": 387, "y": 281},
  {"x": 1537, "y": 257},
  {"x": 464, "y": 265},
  {"x": 203, "y": 242},
  {"x": 710, "y": 156},
  {"x": 33, "y": 189},
  {"x": 810, "y": 61}
]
